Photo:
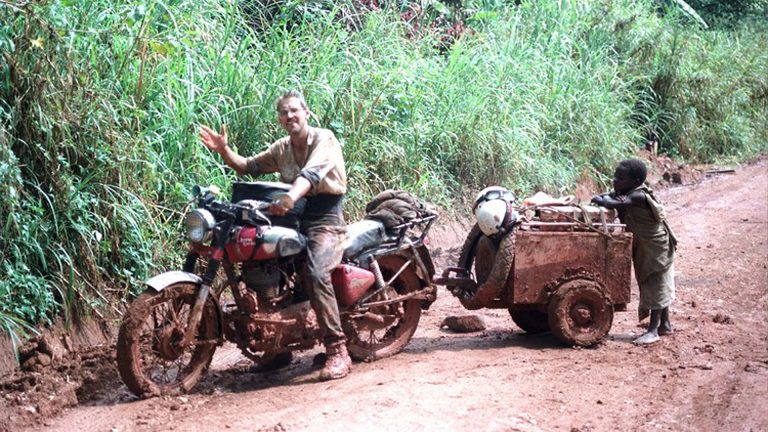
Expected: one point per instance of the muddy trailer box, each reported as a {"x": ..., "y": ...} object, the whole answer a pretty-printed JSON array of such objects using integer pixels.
[
  {"x": 552, "y": 271},
  {"x": 544, "y": 260}
]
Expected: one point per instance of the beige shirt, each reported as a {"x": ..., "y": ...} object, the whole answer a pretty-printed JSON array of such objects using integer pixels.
[{"x": 324, "y": 167}]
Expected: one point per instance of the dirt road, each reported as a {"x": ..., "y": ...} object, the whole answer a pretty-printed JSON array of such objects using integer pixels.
[{"x": 710, "y": 375}]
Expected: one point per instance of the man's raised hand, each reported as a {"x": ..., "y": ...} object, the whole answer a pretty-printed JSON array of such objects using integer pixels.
[{"x": 214, "y": 141}]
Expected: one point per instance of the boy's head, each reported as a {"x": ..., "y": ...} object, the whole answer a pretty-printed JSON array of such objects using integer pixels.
[{"x": 629, "y": 174}]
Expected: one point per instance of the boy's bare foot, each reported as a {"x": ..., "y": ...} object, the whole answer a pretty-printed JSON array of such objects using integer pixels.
[{"x": 647, "y": 338}]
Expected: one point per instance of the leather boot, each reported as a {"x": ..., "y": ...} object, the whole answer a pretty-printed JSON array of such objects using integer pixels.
[{"x": 337, "y": 363}]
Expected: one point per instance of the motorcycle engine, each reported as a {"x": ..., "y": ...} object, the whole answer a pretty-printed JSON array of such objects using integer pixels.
[{"x": 264, "y": 279}]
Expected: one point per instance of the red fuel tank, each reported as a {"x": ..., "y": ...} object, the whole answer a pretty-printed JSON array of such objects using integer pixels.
[
  {"x": 242, "y": 247},
  {"x": 350, "y": 283}
]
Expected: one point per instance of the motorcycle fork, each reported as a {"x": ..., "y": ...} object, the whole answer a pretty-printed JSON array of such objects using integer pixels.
[
  {"x": 214, "y": 262},
  {"x": 202, "y": 296}
]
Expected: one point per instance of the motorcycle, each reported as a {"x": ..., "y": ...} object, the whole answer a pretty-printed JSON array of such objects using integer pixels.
[{"x": 170, "y": 332}]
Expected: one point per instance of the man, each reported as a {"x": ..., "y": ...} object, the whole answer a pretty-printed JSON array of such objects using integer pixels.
[{"x": 310, "y": 159}]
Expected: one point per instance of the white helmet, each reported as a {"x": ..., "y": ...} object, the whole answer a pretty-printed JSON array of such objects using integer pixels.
[{"x": 493, "y": 209}]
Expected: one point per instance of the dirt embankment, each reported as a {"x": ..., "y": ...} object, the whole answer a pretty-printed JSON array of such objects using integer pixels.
[{"x": 711, "y": 374}]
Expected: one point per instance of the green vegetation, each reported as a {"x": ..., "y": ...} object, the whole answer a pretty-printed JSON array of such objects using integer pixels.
[{"x": 100, "y": 104}]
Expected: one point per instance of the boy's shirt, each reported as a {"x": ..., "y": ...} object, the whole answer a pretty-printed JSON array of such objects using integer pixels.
[{"x": 659, "y": 212}]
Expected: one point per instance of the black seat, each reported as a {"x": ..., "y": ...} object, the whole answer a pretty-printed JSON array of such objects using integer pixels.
[{"x": 363, "y": 235}]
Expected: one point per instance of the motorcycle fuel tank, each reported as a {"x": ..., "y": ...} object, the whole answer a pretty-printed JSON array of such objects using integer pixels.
[
  {"x": 350, "y": 283},
  {"x": 260, "y": 243}
]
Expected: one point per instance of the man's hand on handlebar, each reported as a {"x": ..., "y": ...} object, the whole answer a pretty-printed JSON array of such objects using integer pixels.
[{"x": 282, "y": 205}]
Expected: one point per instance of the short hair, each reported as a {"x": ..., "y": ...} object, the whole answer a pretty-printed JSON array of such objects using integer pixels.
[
  {"x": 291, "y": 94},
  {"x": 635, "y": 168}
]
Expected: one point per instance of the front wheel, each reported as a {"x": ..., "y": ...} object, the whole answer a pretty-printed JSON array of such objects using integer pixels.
[
  {"x": 385, "y": 330},
  {"x": 150, "y": 358}
]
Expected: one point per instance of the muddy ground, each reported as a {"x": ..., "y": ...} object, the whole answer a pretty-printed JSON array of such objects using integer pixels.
[{"x": 710, "y": 375}]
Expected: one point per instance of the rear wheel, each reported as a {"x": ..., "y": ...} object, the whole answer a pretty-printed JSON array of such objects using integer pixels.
[
  {"x": 386, "y": 330},
  {"x": 579, "y": 313},
  {"x": 150, "y": 358}
]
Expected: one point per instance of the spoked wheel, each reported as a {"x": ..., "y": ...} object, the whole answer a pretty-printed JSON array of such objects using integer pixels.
[
  {"x": 150, "y": 357},
  {"x": 579, "y": 313},
  {"x": 385, "y": 330},
  {"x": 531, "y": 321}
]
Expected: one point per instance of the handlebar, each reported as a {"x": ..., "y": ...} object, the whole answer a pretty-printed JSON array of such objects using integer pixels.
[{"x": 246, "y": 210}]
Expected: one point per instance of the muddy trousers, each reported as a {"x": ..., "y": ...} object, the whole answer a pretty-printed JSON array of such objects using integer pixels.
[{"x": 324, "y": 250}]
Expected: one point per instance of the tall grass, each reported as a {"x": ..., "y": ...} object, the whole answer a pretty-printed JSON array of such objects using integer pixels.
[{"x": 100, "y": 104}]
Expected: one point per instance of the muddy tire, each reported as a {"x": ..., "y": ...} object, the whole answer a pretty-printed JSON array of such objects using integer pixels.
[
  {"x": 477, "y": 254},
  {"x": 368, "y": 340},
  {"x": 579, "y": 313},
  {"x": 531, "y": 321},
  {"x": 149, "y": 358}
]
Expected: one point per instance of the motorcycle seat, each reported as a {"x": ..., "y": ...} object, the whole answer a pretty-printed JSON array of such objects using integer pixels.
[{"x": 362, "y": 235}]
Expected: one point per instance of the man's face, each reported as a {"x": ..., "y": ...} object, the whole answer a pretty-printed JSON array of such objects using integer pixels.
[
  {"x": 622, "y": 181},
  {"x": 292, "y": 116}
]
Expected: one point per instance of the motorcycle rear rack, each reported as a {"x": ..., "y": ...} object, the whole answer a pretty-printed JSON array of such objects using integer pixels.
[{"x": 402, "y": 229}]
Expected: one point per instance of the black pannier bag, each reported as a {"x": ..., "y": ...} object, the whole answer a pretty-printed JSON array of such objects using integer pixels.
[{"x": 269, "y": 191}]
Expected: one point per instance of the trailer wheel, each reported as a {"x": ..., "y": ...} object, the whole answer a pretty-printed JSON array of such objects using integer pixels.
[
  {"x": 579, "y": 313},
  {"x": 531, "y": 321}
]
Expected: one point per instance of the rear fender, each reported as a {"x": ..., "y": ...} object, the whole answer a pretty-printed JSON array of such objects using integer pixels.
[
  {"x": 429, "y": 266},
  {"x": 164, "y": 280},
  {"x": 425, "y": 273}
]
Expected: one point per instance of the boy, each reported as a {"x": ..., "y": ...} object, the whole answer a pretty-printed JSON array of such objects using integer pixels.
[{"x": 653, "y": 244}]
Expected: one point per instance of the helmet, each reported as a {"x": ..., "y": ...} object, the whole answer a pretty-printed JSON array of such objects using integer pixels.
[
  {"x": 493, "y": 193},
  {"x": 493, "y": 209}
]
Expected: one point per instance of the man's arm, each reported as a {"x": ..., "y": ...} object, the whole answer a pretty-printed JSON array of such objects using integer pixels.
[
  {"x": 324, "y": 158},
  {"x": 218, "y": 143},
  {"x": 285, "y": 202}
]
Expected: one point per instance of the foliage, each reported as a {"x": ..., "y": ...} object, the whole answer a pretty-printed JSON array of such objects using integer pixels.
[{"x": 100, "y": 103}]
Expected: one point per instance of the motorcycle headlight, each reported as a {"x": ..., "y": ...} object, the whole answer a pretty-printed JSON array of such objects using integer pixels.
[{"x": 199, "y": 224}]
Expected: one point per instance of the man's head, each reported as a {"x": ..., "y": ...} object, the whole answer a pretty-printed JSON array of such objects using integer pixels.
[
  {"x": 292, "y": 111},
  {"x": 629, "y": 174}
]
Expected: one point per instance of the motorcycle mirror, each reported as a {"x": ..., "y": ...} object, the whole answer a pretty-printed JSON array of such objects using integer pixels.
[{"x": 198, "y": 190}]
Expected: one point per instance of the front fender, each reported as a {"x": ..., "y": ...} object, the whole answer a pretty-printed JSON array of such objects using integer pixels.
[{"x": 164, "y": 280}]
